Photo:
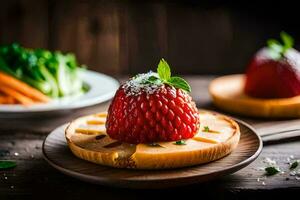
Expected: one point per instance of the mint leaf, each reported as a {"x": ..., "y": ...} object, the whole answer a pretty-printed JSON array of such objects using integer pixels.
[
  {"x": 5, "y": 164},
  {"x": 152, "y": 80},
  {"x": 180, "y": 142},
  {"x": 294, "y": 164},
  {"x": 179, "y": 83},
  {"x": 275, "y": 49},
  {"x": 278, "y": 49},
  {"x": 287, "y": 40},
  {"x": 163, "y": 70},
  {"x": 275, "y": 45},
  {"x": 164, "y": 74},
  {"x": 271, "y": 171},
  {"x": 206, "y": 129}
]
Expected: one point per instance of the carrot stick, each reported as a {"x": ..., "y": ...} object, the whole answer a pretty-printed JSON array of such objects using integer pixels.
[
  {"x": 22, "y": 87},
  {"x": 16, "y": 95},
  {"x": 7, "y": 100}
]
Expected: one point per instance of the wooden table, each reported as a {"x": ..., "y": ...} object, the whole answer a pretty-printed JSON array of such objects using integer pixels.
[{"x": 21, "y": 140}]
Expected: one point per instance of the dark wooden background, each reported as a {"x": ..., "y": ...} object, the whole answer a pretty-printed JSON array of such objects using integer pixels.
[{"x": 126, "y": 37}]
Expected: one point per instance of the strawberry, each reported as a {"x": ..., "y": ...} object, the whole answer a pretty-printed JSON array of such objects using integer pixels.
[
  {"x": 274, "y": 72},
  {"x": 152, "y": 108}
]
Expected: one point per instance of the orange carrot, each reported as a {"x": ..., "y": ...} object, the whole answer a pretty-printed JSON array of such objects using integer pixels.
[
  {"x": 22, "y": 87},
  {"x": 7, "y": 100},
  {"x": 16, "y": 95}
]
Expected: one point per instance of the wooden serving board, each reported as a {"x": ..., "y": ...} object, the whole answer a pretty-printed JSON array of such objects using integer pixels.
[{"x": 57, "y": 154}]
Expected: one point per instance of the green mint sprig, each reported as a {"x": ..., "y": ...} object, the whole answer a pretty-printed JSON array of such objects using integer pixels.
[
  {"x": 206, "y": 129},
  {"x": 180, "y": 142},
  {"x": 294, "y": 165},
  {"x": 164, "y": 74},
  {"x": 270, "y": 171},
  {"x": 277, "y": 49}
]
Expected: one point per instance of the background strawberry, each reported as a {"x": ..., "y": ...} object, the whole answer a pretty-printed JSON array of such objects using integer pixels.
[
  {"x": 152, "y": 108},
  {"x": 274, "y": 72}
]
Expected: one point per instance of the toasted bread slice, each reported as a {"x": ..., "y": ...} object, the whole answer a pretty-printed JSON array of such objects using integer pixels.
[
  {"x": 228, "y": 94},
  {"x": 87, "y": 139}
]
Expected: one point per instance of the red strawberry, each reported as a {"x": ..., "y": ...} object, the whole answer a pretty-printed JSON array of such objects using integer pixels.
[
  {"x": 148, "y": 109},
  {"x": 274, "y": 72}
]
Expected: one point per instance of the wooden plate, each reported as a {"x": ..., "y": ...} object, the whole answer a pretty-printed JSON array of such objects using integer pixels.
[
  {"x": 57, "y": 154},
  {"x": 227, "y": 94}
]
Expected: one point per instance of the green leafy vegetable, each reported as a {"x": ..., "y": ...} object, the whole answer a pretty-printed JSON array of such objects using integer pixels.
[
  {"x": 294, "y": 164},
  {"x": 180, "y": 142},
  {"x": 6, "y": 164},
  {"x": 164, "y": 73},
  {"x": 53, "y": 73},
  {"x": 277, "y": 50},
  {"x": 271, "y": 170},
  {"x": 206, "y": 129}
]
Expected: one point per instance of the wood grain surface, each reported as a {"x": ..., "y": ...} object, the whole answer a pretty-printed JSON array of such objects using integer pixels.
[
  {"x": 34, "y": 177},
  {"x": 130, "y": 36}
]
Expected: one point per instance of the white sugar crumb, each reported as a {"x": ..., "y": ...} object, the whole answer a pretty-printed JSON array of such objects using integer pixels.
[
  {"x": 135, "y": 86},
  {"x": 16, "y": 153},
  {"x": 269, "y": 162},
  {"x": 296, "y": 174},
  {"x": 293, "y": 173},
  {"x": 263, "y": 183},
  {"x": 260, "y": 169}
]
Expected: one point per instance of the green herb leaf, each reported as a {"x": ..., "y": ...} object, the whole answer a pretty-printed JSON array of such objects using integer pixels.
[
  {"x": 275, "y": 49},
  {"x": 6, "y": 164},
  {"x": 164, "y": 73},
  {"x": 153, "y": 80},
  {"x": 271, "y": 170},
  {"x": 275, "y": 45},
  {"x": 180, "y": 142},
  {"x": 287, "y": 40},
  {"x": 206, "y": 129},
  {"x": 294, "y": 164},
  {"x": 163, "y": 70},
  {"x": 278, "y": 49},
  {"x": 179, "y": 83}
]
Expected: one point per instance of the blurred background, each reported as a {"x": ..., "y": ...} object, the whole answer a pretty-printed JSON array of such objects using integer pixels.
[{"x": 127, "y": 37}]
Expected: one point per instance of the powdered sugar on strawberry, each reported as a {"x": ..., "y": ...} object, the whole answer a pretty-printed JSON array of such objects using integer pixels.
[{"x": 138, "y": 84}]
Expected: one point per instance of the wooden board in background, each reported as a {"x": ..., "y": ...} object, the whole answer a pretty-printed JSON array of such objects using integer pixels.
[{"x": 126, "y": 37}]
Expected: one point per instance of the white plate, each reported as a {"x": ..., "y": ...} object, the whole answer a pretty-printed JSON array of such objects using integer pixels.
[{"x": 102, "y": 88}]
